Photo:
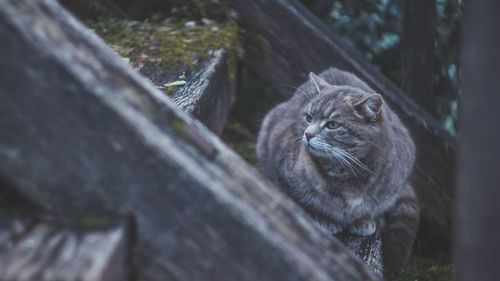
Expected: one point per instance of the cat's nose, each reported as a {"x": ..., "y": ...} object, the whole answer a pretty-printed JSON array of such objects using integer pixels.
[{"x": 308, "y": 136}]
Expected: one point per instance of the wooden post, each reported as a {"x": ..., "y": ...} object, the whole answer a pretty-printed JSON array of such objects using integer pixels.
[
  {"x": 478, "y": 208},
  {"x": 417, "y": 52}
]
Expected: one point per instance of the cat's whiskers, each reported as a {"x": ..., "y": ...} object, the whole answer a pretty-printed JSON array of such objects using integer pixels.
[
  {"x": 343, "y": 161},
  {"x": 333, "y": 156},
  {"x": 346, "y": 158},
  {"x": 334, "y": 160},
  {"x": 299, "y": 139},
  {"x": 355, "y": 160}
]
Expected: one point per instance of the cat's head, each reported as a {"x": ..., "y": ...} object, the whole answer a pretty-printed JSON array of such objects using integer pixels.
[{"x": 342, "y": 125}]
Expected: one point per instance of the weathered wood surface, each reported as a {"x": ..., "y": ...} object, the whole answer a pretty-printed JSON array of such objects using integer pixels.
[
  {"x": 478, "y": 209},
  {"x": 87, "y": 133},
  {"x": 34, "y": 245},
  {"x": 45, "y": 252},
  {"x": 367, "y": 248},
  {"x": 284, "y": 41},
  {"x": 209, "y": 93}
]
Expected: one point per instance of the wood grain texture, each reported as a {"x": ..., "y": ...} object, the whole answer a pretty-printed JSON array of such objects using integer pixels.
[
  {"x": 45, "y": 252},
  {"x": 209, "y": 93},
  {"x": 87, "y": 134},
  {"x": 284, "y": 42},
  {"x": 35, "y": 245},
  {"x": 368, "y": 248}
]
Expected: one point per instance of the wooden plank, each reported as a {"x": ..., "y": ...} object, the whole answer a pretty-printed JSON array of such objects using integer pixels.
[
  {"x": 209, "y": 93},
  {"x": 47, "y": 252},
  {"x": 35, "y": 245}
]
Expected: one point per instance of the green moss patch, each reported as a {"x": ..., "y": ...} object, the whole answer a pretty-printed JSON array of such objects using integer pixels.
[
  {"x": 171, "y": 46},
  {"x": 178, "y": 126},
  {"x": 95, "y": 221}
]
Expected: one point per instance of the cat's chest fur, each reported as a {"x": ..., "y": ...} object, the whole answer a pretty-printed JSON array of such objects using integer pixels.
[{"x": 312, "y": 186}]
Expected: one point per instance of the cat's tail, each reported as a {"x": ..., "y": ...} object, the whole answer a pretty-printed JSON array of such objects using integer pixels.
[{"x": 401, "y": 223}]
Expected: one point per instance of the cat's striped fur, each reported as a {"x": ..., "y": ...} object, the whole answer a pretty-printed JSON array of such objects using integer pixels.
[{"x": 342, "y": 154}]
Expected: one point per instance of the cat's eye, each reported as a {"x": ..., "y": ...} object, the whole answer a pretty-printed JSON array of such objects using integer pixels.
[
  {"x": 309, "y": 118},
  {"x": 332, "y": 125}
]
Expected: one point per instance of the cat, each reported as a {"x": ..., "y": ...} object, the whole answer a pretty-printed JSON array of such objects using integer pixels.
[{"x": 344, "y": 156}]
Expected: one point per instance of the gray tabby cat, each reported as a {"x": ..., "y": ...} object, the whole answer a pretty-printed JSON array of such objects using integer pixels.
[{"x": 343, "y": 155}]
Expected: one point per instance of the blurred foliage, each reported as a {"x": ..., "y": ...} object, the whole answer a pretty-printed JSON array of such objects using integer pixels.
[
  {"x": 241, "y": 139},
  {"x": 374, "y": 28},
  {"x": 254, "y": 99},
  {"x": 423, "y": 270}
]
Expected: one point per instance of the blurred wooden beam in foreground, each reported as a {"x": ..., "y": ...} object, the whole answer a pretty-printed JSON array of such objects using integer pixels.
[
  {"x": 85, "y": 135},
  {"x": 47, "y": 252},
  {"x": 34, "y": 245}
]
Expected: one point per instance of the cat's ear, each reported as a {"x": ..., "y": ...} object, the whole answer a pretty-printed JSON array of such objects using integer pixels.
[
  {"x": 370, "y": 107},
  {"x": 318, "y": 82}
]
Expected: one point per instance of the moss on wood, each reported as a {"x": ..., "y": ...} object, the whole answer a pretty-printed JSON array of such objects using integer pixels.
[
  {"x": 177, "y": 126},
  {"x": 95, "y": 221},
  {"x": 171, "y": 46}
]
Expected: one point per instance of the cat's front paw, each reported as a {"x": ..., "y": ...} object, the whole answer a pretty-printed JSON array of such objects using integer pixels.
[
  {"x": 330, "y": 227},
  {"x": 363, "y": 227}
]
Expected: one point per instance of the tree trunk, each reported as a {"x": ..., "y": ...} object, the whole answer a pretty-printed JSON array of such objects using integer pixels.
[
  {"x": 85, "y": 135},
  {"x": 417, "y": 52},
  {"x": 478, "y": 220},
  {"x": 284, "y": 41}
]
